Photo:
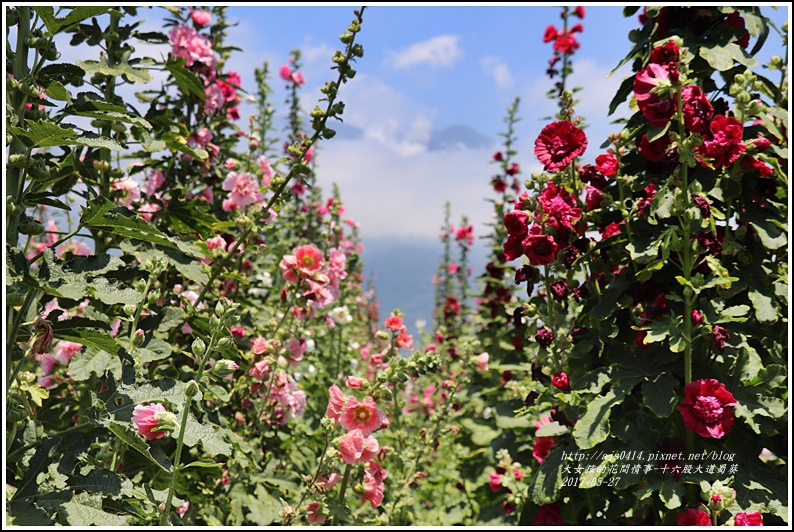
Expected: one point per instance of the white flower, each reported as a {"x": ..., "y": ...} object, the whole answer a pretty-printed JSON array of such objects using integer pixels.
[
  {"x": 310, "y": 345},
  {"x": 341, "y": 315}
]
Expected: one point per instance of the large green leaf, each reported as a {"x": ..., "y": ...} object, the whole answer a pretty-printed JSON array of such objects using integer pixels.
[
  {"x": 42, "y": 134},
  {"x": 102, "y": 481},
  {"x": 78, "y": 14},
  {"x": 724, "y": 57},
  {"x": 208, "y": 435},
  {"x": 187, "y": 81},
  {"x": 106, "y": 111},
  {"x": 101, "y": 213},
  {"x": 659, "y": 395},
  {"x": 131, "y": 73},
  {"x": 137, "y": 443},
  {"x": 545, "y": 485},
  {"x": 96, "y": 361},
  {"x": 764, "y": 309}
]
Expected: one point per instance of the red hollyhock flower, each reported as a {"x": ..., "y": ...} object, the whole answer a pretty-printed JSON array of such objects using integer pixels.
[
  {"x": 566, "y": 43},
  {"x": 707, "y": 408},
  {"x": 550, "y": 34},
  {"x": 544, "y": 336},
  {"x": 516, "y": 223},
  {"x": 693, "y": 517},
  {"x": 539, "y": 248},
  {"x": 666, "y": 54},
  {"x": 590, "y": 174},
  {"x": 542, "y": 447},
  {"x": 744, "y": 519},
  {"x": 697, "y": 317},
  {"x": 548, "y": 515},
  {"x": 655, "y": 151},
  {"x": 513, "y": 247},
  {"x": 702, "y": 204},
  {"x": 611, "y": 230},
  {"x": 593, "y": 199},
  {"x": 696, "y": 108},
  {"x": 650, "y": 192},
  {"x": 607, "y": 164},
  {"x": 648, "y": 79},
  {"x": 735, "y": 20},
  {"x": 558, "y": 144},
  {"x": 560, "y": 289},
  {"x": 761, "y": 167},
  {"x": 725, "y": 144},
  {"x": 578, "y": 12},
  {"x": 578, "y": 28},
  {"x": 559, "y": 207},
  {"x": 560, "y": 380},
  {"x": 719, "y": 334}
]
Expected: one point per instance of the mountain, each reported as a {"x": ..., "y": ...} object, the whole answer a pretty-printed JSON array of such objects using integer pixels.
[{"x": 457, "y": 137}]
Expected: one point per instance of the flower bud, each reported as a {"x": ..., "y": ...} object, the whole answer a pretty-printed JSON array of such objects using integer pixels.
[
  {"x": 101, "y": 166},
  {"x": 224, "y": 368},
  {"x": 382, "y": 335},
  {"x": 138, "y": 338},
  {"x": 225, "y": 343},
  {"x": 219, "y": 309},
  {"x": 191, "y": 389},
  {"x": 198, "y": 347},
  {"x": 743, "y": 97},
  {"x": 215, "y": 324},
  {"x": 166, "y": 422},
  {"x": 44, "y": 335},
  {"x": 31, "y": 227}
]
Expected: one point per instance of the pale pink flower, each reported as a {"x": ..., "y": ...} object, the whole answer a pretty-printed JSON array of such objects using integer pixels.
[
  {"x": 482, "y": 361},
  {"x": 285, "y": 72},
  {"x": 356, "y": 447},
  {"x": 289, "y": 268},
  {"x": 144, "y": 422},
  {"x": 231, "y": 164},
  {"x": 155, "y": 180},
  {"x": 259, "y": 370},
  {"x": 191, "y": 46},
  {"x": 243, "y": 191},
  {"x": 326, "y": 483},
  {"x": 309, "y": 157},
  {"x": 200, "y": 18},
  {"x": 213, "y": 99},
  {"x": 364, "y": 415},
  {"x": 182, "y": 510},
  {"x": 353, "y": 382},
  {"x": 216, "y": 242},
  {"x": 297, "y": 349},
  {"x": 47, "y": 362},
  {"x": 374, "y": 484},
  {"x": 202, "y": 137},
  {"x": 297, "y": 78},
  {"x": 313, "y": 514},
  {"x": 259, "y": 345},
  {"x": 351, "y": 222},
  {"x": 130, "y": 190},
  {"x": 114, "y": 327},
  {"x": 404, "y": 340},
  {"x": 267, "y": 170},
  {"x": 147, "y": 210},
  {"x": 336, "y": 402},
  {"x": 65, "y": 350}
]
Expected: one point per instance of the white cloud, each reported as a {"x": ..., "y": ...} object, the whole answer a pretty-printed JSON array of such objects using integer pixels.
[
  {"x": 498, "y": 70},
  {"x": 441, "y": 51}
]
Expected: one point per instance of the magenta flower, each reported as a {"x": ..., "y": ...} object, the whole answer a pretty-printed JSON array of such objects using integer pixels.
[
  {"x": 560, "y": 380},
  {"x": 364, "y": 416},
  {"x": 748, "y": 519},
  {"x": 607, "y": 164},
  {"x": 707, "y": 408},
  {"x": 191, "y": 46},
  {"x": 558, "y": 144},
  {"x": 143, "y": 419},
  {"x": 496, "y": 481},
  {"x": 559, "y": 207},
  {"x": 725, "y": 144},
  {"x": 539, "y": 248}
]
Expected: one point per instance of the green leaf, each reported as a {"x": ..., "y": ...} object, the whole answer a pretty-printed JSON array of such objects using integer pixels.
[
  {"x": 36, "y": 392},
  {"x": 671, "y": 495},
  {"x": 208, "y": 435},
  {"x": 764, "y": 310},
  {"x": 592, "y": 478},
  {"x": 91, "y": 338},
  {"x": 551, "y": 429},
  {"x": 43, "y": 134},
  {"x": 25, "y": 513},
  {"x": 768, "y": 378},
  {"x": 37, "y": 464},
  {"x": 78, "y": 14},
  {"x": 101, "y": 213},
  {"x": 660, "y": 395},
  {"x": 179, "y": 143},
  {"x": 191, "y": 216},
  {"x": 56, "y": 91},
  {"x": 187, "y": 81},
  {"x": 137, "y": 443},
  {"x": 121, "y": 401},
  {"x": 655, "y": 133},
  {"x": 185, "y": 265},
  {"x": 131, "y": 73},
  {"x": 62, "y": 72},
  {"x": 481, "y": 434},
  {"x": 593, "y": 427},
  {"x": 166, "y": 319},
  {"x": 662, "y": 205},
  {"x": 85, "y": 509},
  {"x": 545, "y": 485},
  {"x": 153, "y": 349},
  {"x": 723, "y": 57},
  {"x": 96, "y": 361},
  {"x": 102, "y": 481},
  {"x": 732, "y": 313},
  {"x": 772, "y": 237},
  {"x": 31, "y": 199}
]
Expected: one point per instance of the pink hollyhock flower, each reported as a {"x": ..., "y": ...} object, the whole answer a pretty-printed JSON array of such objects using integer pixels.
[
  {"x": 354, "y": 382},
  {"x": 559, "y": 207},
  {"x": 309, "y": 258},
  {"x": 607, "y": 164},
  {"x": 326, "y": 483},
  {"x": 285, "y": 72},
  {"x": 652, "y": 82},
  {"x": 313, "y": 514},
  {"x": 558, "y": 144},
  {"x": 297, "y": 349},
  {"x": 213, "y": 99},
  {"x": 243, "y": 191},
  {"x": 297, "y": 78},
  {"x": 191, "y": 46},
  {"x": 745, "y": 519},
  {"x": 707, "y": 408},
  {"x": 216, "y": 242},
  {"x": 144, "y": 422},
  {"x": 356, "y": 447},
  {"x": 200, "y": 18},
  {"x": 548, "y": 515},
  {"x": 289, "y": 268},
  {"x": 693, "y": 517},
  {"x": 725, "y": 144},
  {"x": 147, "y": 210},
  {"x": 65, "y": 350},
  {"x": 336, "y": 402},
  {"x": 482, "y": 361},
  {"x": 394, "y": 323},
  {"x": 364, "y": 416},
  {"x": 549, "y": 35},
  {"x": 404, "y": 340},
  {"x": 266, "y": 167},
  {"x": 47, "y": 362},
  {"x": 259, "y": 370},
  {"x": 259, "y": 345},
  {"x": 539, "y": 248},
  {"x": 374, "y": 484},
  {"x": 202, "y": 137},
  {"x": 154, "y": 182},
  {"x": 496, "y": 481},
  {"x": 560, "y": 380},
  {"x": 130, "y": 190},
  {"x": 696, "y": 108}
]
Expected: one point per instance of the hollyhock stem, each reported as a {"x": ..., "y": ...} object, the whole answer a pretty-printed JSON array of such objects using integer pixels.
[
  {"x": 550, "y": 311},
  {"x": 316, "y": 474},
  {"x": 343, "y": 487}
]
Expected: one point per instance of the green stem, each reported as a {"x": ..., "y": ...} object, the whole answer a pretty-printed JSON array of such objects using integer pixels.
[
  {"x": 137, "y": 316},
  {"x": 343, "y": 487},
  {"x": 316, "y": 472},
  {"x": 56, "y": 244},
  {"x": 550, "y": 313},
  {"x": 181, "y": 438}
]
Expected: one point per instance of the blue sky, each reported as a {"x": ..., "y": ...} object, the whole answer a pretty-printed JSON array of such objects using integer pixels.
[{"x": 426, "y": 69}]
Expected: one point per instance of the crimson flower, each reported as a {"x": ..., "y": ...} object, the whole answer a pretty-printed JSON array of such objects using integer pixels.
[
  {"x": 558, "y": 144},
  {"x": 745, "y": 519},
  {"x": 560, "y": 380},
  {"x": 707, "y": 408},
  {"x": 550, "y": 34},
  {"x": 538, "y": 247},
  {"x": 696, "y": 108},
  {"x": 548, "y": 515},
  {"x": 693, "y": 517},
  {"x": 725, "y": 144}
]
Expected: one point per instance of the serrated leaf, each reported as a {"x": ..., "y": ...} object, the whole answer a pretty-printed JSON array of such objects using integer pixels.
[
  {"x": 85, "y": 509},
  {"x": 96, "y": 361},
  {"x": 91, "y": 338},
  {"x": 208, "y": 435},
  {"x": 131, "y": 73},
  {"x": 101, "y": 213},
  {"x": 153, "y": 349},
  {"x": 102, "y": 481},
  {"x": 42, "y": 134},
  {"x": 593, "y": 427},
  {"x": 141, "y": 446},
  {"x": 78, "y": 14},
  {"x": 164, "y": 320},
  {"x": 659, "y": 395},
  {"x": 187, "y": 81},
  {"x": 545, "y": 484},
  {"x": 36, "y": 392},
  {"x": 722, "y": 58},
  {"x": 121, "y": 401},
  {"x": 764, "y": 310}
]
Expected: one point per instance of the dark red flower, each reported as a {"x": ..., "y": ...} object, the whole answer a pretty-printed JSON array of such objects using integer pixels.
[
  {"x": 521, "y": 202},
  {"x": 559, "y": 207},
  {"x": 650, "y": 192},
  {"x": 590, "y": 174},
  {"x": 702, "y": 204},
  {"x": 693, "y": 517},
  {"x": 578, "y": 11},
  {"x": 696, "y": 108},
  {"x": 548, "y": 515},
  {"x": 725, "y": 143},
  {"x": 712, "y": 244},
  {"x": 745, "y": 519},
  {"x": 577, "y": 28},
  {"x": 707, "y": 408},
  {"x": 760, "y": 166},
  {"x": 544, "y": 336},
  {"x": 550, "y": 34},
  {"x": 513, "y": 247},
  {"x": 497, "y": 156},
  {"x": 499, "y": 185},
  {"x": 542, "y": 447},
  {"x": 593, "y": 198},
  {"x": 666, "y": 54},
  {"x": 697, "y": 317},
  {"x": 607, "y": 164},
  {"x": 735, "y": 20},
  {"x": 560, "y": 289},
  {"x": 655, "y": 151},
  {"x": 538, "y": 247},
  {"x": 513, "y": 170},
  {"x": 720, "y": 334},
  {"x": 611, "y": 230},
  {"x": 560, "y": 380},
  {"x": 558, "y": 144},
  {"x": 657, "y": 112}
]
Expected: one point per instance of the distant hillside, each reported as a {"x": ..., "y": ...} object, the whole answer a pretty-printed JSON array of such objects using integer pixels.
[{"x": 457, "y": 137}]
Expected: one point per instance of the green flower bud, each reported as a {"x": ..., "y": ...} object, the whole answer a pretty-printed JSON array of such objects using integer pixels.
[
  {"x": 225, "y": 343},
  {"x": 223, "y": 368},
  {"x": 387, "y": 394},
  {"x": 354, "y": 27},
  {"x": 328, "y": 133},
  {"x": 317, "y": 112},
  {"x": 101, "y": 166},
  {"x": 198, "y": 347},
  {"x": 31, "y": 227},
  {"x": 153, "y": 296},
  {"x": 215, "y": 324},
  {"x": 191, "y": 389},
  {"x": 346, "y": 37},
  {"x": 15, "y": 411},
  {"x": 739, "y": 78},
  {"x": 231, "y": 319},
  {"x": 357, "y": 50},
  {"x": 219, "y": 309},
  {"x": 166, "y": 422},
  {"x": 138, "y": 338},
  {"x": 382, "y": 335},
  {"x": 130, "y": 309},
  {"x": 338, "y": 57},
  {"x": 743, "y": 97},
  {"x": 18, "y": 160}
]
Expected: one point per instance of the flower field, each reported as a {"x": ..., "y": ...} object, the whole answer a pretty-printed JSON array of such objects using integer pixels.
[{"x": 191, "y": 338}]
